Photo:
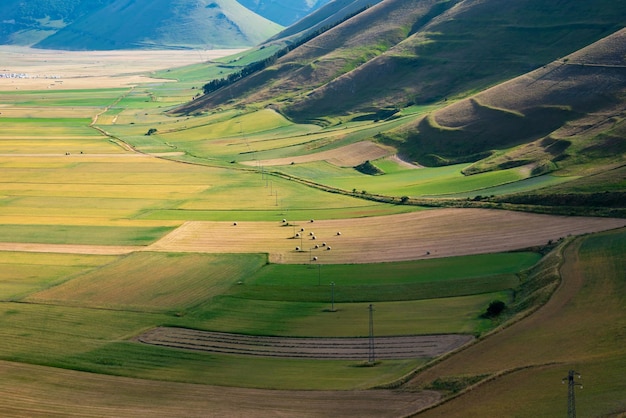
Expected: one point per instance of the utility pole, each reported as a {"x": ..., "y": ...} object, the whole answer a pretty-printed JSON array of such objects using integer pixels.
[
  {"x": 372, "y": 356},
  {"x": 571, "y": 397},
  {"x": 332, "y": 296}
]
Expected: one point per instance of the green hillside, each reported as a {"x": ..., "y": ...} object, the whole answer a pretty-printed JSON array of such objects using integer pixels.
[
  {"x": 514, "y": 90},
  {"x": 326, "y": 16},
  {"x": 283, "y": 12}
]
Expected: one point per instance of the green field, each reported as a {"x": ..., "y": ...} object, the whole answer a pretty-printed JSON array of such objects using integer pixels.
[
  {"x": 70, "y": 297},
  {"x": 24, "y": 273}
]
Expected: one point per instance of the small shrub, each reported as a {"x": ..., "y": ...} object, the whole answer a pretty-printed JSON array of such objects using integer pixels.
[{"x": 495, "y": 308}]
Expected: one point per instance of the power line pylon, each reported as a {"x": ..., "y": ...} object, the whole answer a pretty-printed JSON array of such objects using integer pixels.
[
  {"x": 571, "y": 394},
  {"x": 372, "y": 356}
]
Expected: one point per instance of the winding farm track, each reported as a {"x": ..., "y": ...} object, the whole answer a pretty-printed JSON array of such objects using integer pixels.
[{"x": 404, "y": 347}]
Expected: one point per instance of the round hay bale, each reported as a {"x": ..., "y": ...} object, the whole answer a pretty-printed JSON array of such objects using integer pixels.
[
  {"x": 338, "y": 233},
  {"x": 314, "y": 258},
  {"x": 328, "y": 248},
  {"x": 234, "y": 223},
  {"x": 297, "y": 248}
]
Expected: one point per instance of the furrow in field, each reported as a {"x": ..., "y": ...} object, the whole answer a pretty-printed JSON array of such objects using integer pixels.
[{"x": 404, "y": 347}]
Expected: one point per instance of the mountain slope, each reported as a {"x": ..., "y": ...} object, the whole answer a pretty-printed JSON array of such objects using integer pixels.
[
  {"x": 470, "y": 46},
  {"x": 131, "y": 24},
  {"x": 329, "y": 15},
  {"x": 283, "y": 12},
  {"x": 569, "y": 111},
  {"x": 25, "y": 23},
  {"x": 335, "y": 52},
  {"x": 402, "y": 52}
]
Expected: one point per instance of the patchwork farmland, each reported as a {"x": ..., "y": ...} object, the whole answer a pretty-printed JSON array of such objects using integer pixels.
[{"x": 184, "y": 271}]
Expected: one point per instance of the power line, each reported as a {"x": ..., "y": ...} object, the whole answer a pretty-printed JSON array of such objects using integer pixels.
[{"x": 372, "y": 355}]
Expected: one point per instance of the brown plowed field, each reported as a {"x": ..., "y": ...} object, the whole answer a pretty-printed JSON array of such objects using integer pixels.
[
  {"x": 410, "y": 236},
  {"x": 348, "y": 156},
  {"x": 404, "y": 347},
  {"x": 63, "y": 393}
]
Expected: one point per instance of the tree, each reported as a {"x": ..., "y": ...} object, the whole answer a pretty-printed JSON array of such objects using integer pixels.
[{"x": 495, "y": 308}]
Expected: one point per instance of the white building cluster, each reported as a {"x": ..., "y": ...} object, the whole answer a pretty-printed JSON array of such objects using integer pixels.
[{"x": 25, "y": 75}]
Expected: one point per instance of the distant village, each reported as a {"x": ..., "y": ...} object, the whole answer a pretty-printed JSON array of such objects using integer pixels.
[{"x": 25, "y": 75}]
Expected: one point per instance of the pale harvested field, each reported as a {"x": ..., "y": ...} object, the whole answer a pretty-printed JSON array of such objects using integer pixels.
[
  {"x": 91, "y": 69},
  {"x": 68, "y": 249},
  {"x": 36, "y": 391},
  {"x": 385, "y": 348},
  {"x": 348, "y": 156},
  {"x": 411, "y": 236}
]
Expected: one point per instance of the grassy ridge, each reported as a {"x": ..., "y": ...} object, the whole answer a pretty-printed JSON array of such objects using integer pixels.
[{"x": 439, "y": 181}]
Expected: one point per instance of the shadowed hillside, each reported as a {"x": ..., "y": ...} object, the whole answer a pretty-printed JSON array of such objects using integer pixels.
[
  {"x": 397, "y": 53},
  {"x": 471, "y": 46},
  {"x": 328, "y": 56},
  {"x": 284, "y": 12},
  {"x": 326, "y": 16},
  {"x": 564, "y": 111},
  {"x": 134, "y": 24}
]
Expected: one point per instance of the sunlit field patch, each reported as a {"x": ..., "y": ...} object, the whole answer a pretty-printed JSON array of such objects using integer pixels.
[
  {"x": 153, "y": 282},
  {"x": 24, "y": 273}
]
